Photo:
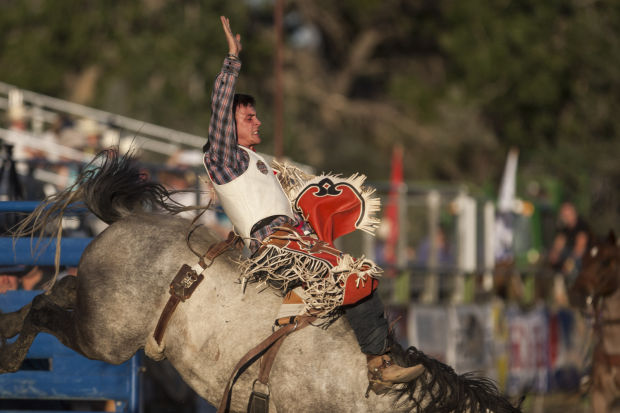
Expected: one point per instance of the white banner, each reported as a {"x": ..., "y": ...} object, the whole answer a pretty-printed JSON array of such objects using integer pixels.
[
  {"x": 428, "y": 330},
  {"x": 470, "y": 338}
]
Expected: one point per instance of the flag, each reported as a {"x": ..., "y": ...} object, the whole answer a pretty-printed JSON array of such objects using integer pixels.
[
  {"x": 504, "y": 231},
  {"x": 391, "y": 212}
]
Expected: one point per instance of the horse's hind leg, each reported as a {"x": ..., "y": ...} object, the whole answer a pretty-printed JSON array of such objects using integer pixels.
[
  {"x": 44, "y": 316},
  {"x": 11, "y": 323},
  {"x": 63, "y": 294}
]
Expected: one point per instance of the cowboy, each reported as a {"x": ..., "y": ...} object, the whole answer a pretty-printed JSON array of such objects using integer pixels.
[{"x": 255, "y": 202}]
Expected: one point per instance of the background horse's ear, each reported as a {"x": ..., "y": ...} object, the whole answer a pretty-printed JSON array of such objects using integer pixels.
[{"x": 611, "y": 237}]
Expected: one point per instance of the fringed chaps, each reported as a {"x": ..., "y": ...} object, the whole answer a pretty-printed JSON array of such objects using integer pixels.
[{"x": 328, "y": 277}]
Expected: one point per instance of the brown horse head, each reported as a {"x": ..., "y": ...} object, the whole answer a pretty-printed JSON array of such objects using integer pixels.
[{"x": 599, "y": 275}]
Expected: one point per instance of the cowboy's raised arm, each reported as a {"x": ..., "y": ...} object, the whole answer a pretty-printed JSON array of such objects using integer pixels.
[{"x": 221, "y": 152}]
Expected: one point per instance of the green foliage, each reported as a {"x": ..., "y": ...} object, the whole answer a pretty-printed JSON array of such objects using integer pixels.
[{"x": 512, "y": 56}]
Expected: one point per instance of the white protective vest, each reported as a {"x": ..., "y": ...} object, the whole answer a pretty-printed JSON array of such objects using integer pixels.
[{"x": 252, "y": 196}]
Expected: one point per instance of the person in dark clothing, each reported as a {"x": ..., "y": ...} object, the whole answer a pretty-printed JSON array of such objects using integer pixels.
[{"x": 570, "y": 241}]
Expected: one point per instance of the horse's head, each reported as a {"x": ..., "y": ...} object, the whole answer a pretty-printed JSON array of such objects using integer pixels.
[{"x": 599, "y": 275}]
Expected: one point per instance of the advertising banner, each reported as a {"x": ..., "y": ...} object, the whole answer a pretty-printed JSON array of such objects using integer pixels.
[
  {"x": 528, "y": 351},
  {"x": 470, "y": 338},
  {"x": 428, "y": 330}
]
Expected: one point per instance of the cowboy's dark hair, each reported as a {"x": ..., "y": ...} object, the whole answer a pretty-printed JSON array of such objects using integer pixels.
[
  {"x": 238, "y": 100},
  {"x": 242, "y": 100}
]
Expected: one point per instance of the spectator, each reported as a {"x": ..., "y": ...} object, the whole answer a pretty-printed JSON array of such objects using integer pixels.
[
  {"x": 50, "y": 139},
  {"x": 444, "y": 253},
  {"x": 30, "y": 278},
  {"x": 17, "y": 123},
  {"x": 8, "y": 282},
  {"x": 90, "y": 140},
  {"x": 570, "y": 241}
]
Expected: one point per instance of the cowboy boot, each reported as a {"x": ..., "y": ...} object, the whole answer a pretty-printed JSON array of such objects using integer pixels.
[{"x": 383, "y": 373}]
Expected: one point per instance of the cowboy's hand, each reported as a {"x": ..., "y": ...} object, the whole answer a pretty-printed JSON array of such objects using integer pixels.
[{"x": 234, "y": 41}]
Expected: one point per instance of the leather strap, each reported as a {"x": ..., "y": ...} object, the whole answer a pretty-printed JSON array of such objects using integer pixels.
[
  {"x": 166, "y": 313},
  {"x": 266, "y": 362},
  {"x": 264, "y": 346},
  {"x": 217, "y": 249},
  {"x": 204, "y": 262}
]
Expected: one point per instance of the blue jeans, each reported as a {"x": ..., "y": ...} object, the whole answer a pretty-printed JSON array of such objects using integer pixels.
[{"x": 369, "y": 324}]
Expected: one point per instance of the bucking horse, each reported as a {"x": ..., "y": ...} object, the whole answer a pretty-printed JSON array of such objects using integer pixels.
[{"x": 111, "y": 309}]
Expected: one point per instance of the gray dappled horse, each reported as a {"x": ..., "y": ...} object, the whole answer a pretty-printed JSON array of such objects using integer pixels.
[
  {"x": 597, "y": 289},
  {"x": 111, "y": 308}
]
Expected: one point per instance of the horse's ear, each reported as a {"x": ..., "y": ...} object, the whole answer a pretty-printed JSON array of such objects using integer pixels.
[{"x": 611, "y": 237}]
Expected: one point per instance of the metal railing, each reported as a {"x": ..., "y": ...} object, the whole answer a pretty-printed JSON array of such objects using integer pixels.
[{"x": 43, "y": 102}]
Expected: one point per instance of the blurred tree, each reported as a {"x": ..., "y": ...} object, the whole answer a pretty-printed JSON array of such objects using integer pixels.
[
  {"x": 150, "y": 59},
  {"x": 456, "y": 83},
  {"x": 544, "y": 77}
]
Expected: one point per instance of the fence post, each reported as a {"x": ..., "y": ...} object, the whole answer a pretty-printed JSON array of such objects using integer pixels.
[
  {"x": 489, "y": 246},
  {"x": 466, "y": 233},
  {"x": 401, "y": 246},
  {"x": 431, "y": 279}
]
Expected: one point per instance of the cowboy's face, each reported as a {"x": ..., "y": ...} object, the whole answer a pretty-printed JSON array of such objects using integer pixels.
[{"x": 247, "y": 126}]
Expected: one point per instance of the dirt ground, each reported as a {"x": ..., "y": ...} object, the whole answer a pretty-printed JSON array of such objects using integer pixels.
[{"x": 560, "y": 403}]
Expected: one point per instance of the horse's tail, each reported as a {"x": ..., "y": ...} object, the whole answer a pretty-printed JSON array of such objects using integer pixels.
[
  {"x": 111, "y": 186},
  {"x": 440, "y": 389},
  {"x": 117, "y": 187}
]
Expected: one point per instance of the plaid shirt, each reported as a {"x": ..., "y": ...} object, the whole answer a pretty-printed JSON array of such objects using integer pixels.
[{"x": 224, "y": 159}]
